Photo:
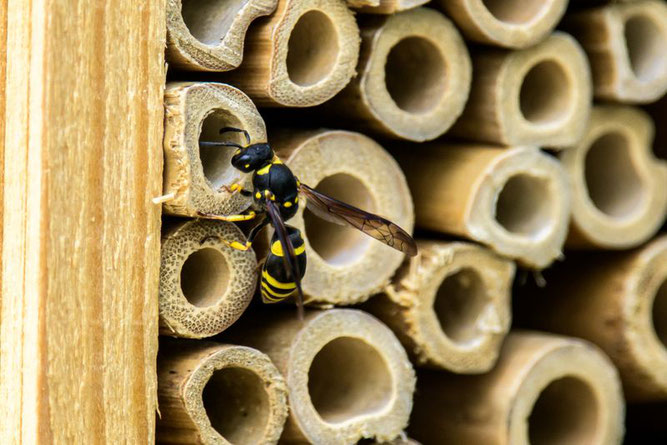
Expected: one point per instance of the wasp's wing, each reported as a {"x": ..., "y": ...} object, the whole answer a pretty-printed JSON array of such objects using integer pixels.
[
  {"x": 289, "y": 257},
  {"x": 338, "y": 212}
]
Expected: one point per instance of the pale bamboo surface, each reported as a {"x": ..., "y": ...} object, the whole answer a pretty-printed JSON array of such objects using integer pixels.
[
  {"x": 196, "y": 176},
  {"x": 544, "y": 389},
  {"x": 300, "y": 56},
  {"x": 449, "y": 306},
  {"x": 346, "y": 266},
  {"x": 205, "y": 285},
  {"x": 347, "y": 375},
  {"x": 514, "y": 200},
  {"x": 619, "y": 302},
  {"x": 538, "y": 96},
  {"x": 78, "y": 336},
  {"x": 385, "y": 6},
  {"x": 506, "y": 23},
  {"x": 619, "y": 189},
  {"x": 413, "y": 79},
  {"x": 627, "y": 48},
  {"x": 212, "y": 393},
  {"x": 209, "y": 36}
]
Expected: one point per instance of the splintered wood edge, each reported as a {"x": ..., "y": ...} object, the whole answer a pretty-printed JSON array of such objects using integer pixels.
[
  {"x": 417, "y": 111},
  {"x": 202, "y": 108},
  {"x": 225, "y": 279},
  {"x": 627, "y": 203},
  {"x": 185, "y": 371},
  {"x": 224, "y": 50},
  {"x": 511, "y": 24},
  {"x": 418, "y": 314},
  {"x": 363, "y": 173}
]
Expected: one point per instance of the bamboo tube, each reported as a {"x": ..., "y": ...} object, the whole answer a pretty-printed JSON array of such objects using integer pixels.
[
  {"x": 544, "y": 389},
  {"x": 507, "y": 23},
  {"x": 212, "y": 393},
  {"x": 347, "y": 375},
  {"x": 205, "y": 285},
  {"x": 384, "y": 6},
  {"x": 208, "y": 36},
  {"x": 627, "y": 48},
  {"x": 618, "y": 187},
  {"x": 449, "y": 306},
  {"x": 346, "y": 266},
  {"x": 515, "y": 200},
  {"x": 195, "y": 111},
  {"x": 538, "y": 96},
  {"x": 414, "y": 77},
  {"x": 302, "y": 55},
  {"x": 619, "y": 302}
]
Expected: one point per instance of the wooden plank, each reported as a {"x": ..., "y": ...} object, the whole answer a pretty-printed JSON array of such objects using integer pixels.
[{"x": 78, "y": 333}]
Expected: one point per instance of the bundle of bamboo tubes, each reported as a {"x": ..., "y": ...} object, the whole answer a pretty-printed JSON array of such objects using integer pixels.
[{"x": 480, "y": 127}]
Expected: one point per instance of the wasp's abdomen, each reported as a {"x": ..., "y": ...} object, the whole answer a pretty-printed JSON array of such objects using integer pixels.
[{"x": 277, "y": 283}]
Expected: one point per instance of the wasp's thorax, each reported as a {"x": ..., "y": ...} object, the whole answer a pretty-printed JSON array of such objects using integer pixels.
[{"x": 252, "y": 157}]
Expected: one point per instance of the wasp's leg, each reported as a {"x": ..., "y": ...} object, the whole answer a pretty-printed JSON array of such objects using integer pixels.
[
  {"x": 236, "y": 188},
  {"x": 238, "y": 130},
  {"x": 233, "y": 244},
  {"x": 230, "y": 218}
]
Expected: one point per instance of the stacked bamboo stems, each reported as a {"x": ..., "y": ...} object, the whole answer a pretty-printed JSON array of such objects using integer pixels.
[{"x": 535, "y": 91}]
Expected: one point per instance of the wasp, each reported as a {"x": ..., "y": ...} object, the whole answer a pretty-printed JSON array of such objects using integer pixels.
[{"x": 275, "y": 194}]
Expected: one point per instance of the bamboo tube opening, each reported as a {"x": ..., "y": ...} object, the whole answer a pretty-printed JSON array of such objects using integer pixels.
[
  {"x": 546, "y": 93},
  {"x": 204, "y": 277},
  {"x": 361, "y": 385},
  {"x": 516, "y": 12},
  {"x": 612, "y": 180},
  {"x": 415, "y": 75},
  {"x": 336, "y": 244},
  {"x": 237, "y": 405},
  {"x": 659, "y": 313},
  {"x": 208, "y": 21},
  {"x": 523, "y": 206},
  {"x": 460, "y": 301},
  {"x": 312, "y": 49},
  {"x": 566, "y": 411},
  {"x": 646, "y": 47},
  {"x": 216, "y": 161}
]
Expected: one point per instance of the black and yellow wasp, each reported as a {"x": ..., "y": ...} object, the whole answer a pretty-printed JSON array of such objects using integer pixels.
[{"x": 276, "y": 199}]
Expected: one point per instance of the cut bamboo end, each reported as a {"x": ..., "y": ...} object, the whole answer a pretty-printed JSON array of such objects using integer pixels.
[
  {"x": 544, "y": 389},
  {"x": 208, "y": 36},
  {"x": 210, "y": 393},
  {"x": 346, "y": 266},
  {"x": 205, "y": 285},
  {"x": 450, "y": 306},
  {"x": 414, "y": 77},
  {"x": 385, "y": 6},
  {"x": 627, "y": 47},
  {"x": 301, "y": 56},
  {"x": 511, "y": 24},
  {"x": 537, "y": 96},
  {"x": 619, "y": 302},
  {"x": 194, "y": 112},
  {"x": 347, "y": 375},
  {"x": 515, "y": 200},
  {"x": 618, "y": 187}
]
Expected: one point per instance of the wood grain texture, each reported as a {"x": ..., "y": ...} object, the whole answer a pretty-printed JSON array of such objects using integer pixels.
[{"x": 79, "y": 319}]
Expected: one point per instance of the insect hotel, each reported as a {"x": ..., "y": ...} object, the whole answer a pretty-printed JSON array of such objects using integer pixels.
[{"x": 333, "y": 222}]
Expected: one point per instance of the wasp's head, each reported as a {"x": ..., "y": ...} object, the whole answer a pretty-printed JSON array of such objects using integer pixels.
[{"x": 252, "y": 157}]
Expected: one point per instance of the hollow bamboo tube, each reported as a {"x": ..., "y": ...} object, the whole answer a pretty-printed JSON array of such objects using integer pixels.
[
  {"x": 211, "y": 393},
  {"x": 302, "y": 55},
  {"x": 205, "y": 285},
  {"x": 627, "y": 48},
  {"x": 544, "y": 389},
  {"x": 515, "y": 200},
  {"x": 506, "y": 23},
  {"x": 208, "y": 36},
  {"x": 194, "y": 175},
  {"x": 346, "y": 266},
  {"x": 414, "y": 77},
  {"x": 619, "y": 197},
  {"x": 538, "y": 96},
  {"x": 449, "y": 306},
  {"x": 384, "y": 6},
  {"x": 619, "y": 302},
  {"x": 347, "y": 375}
]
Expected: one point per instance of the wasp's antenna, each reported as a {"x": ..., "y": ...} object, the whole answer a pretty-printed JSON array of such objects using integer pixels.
[
  {"x": 219, "y": 144},
  {"x": 238, "y": 130}
]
